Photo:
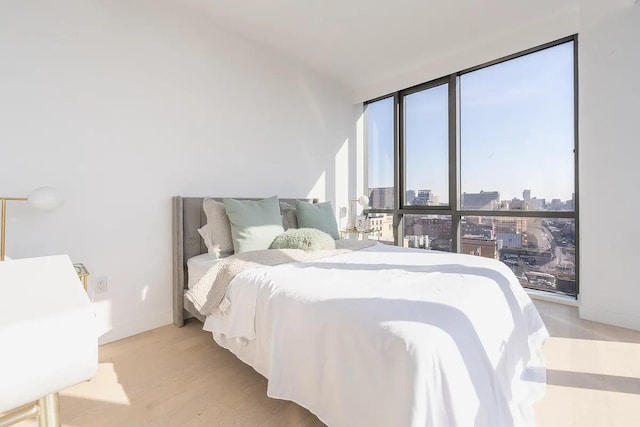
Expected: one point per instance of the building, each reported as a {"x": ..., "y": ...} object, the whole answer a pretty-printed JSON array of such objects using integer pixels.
[
  {"x": 480, "y": 201},
  {"x": 480, "y": 246},
  {"x": 381, "y": 226},
  {"x": 556, "y": 205},
  {"x": 435, "y": 230},
  {"x": 473, "y": 226},
  {"x": 511, "y": 240},
  {"x": 381, "y": 198},
  {"x": 410, "y": 197},
  {"x": 509, "y": 224},
  {"x": 520, "y": 205},
  {"x": 536, "y": 204},
  {"x": 434, "y": 227},
  {"x": 418, "y": 242},
  {"x": 423, "y": 198}
]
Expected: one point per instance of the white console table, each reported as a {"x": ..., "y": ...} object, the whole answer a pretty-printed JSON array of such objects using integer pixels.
[{"x": 48, "y": 337}]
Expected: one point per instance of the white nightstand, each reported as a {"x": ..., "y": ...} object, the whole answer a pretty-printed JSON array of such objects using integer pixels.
[{"x": 51, "y": 346}]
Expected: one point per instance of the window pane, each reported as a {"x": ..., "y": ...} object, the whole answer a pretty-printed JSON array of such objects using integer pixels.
[
  {"x": 426, "y": 136},
  {"x": 540, "y": 251},
  {"x": 379, "y": 126},
  {"x": 517, "y": 133},
  {"x": 381, "y": 226},
  {"x": 427, "y": 232}
]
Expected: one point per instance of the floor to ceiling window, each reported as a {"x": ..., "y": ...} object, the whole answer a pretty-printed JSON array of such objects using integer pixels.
[{"x": 483, "y": 162}]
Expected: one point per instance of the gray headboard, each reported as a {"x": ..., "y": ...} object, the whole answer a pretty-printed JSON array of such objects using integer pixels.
[{"x": 188, "y": 216}]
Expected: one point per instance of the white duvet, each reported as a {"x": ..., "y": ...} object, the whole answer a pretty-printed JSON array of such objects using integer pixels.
[{"x": 389, "y": 336}]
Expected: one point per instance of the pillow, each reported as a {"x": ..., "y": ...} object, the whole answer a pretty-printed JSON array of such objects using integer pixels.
[
  {"x": 254, "y": 224},
  {"x": 289, "y": 217},
  {"x": 317, "y": 215},
  {"x": 206, "y": 236},
  {"x": 217, "y": 233},
  {"x": 308, "y": 239}
]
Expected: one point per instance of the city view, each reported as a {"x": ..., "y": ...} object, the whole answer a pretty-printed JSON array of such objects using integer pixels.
[
  {"x": 515, "y": 126},
  {"x": 540, "y": 251}
]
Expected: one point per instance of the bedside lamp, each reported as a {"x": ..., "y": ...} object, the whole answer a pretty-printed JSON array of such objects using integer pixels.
[
  {"x": 43, "y": 198},
  {"x": 342, "y": 212},
  {"x": 362, "y": 201}
]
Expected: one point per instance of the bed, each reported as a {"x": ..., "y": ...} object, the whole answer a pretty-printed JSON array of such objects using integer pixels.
[{"x": 378, "y": 335}]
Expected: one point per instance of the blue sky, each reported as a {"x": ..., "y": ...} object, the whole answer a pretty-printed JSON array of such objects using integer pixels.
[{"x": 516, "y": 130}]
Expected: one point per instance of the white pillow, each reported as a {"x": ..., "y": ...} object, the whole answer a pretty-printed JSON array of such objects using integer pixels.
[
  {"x": 217, "y": 233},
  {"x": 289, "y": 217}
]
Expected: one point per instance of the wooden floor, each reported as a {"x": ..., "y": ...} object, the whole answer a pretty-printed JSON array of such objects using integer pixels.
[{"x": 180, "y": 377}]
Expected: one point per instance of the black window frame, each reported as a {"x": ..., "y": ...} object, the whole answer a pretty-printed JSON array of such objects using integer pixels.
[{"x": 454, "y": 209}]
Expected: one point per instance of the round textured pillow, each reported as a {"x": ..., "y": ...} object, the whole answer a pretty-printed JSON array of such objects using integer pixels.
[{"x": 308, "y": 239}]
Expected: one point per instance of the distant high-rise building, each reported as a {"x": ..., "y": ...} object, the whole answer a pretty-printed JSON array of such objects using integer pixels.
[
  {"x": 556, "y": 204},
  {"x": 517, "y": 204},
  {"x": 536, "y": 204},
  {"x": 526, "y": 195},
  {"x": 423, "y": 198},
  {"x": 410, "y": 197},
  {"x": 481, "y": 200},
  {"x": 569, "y": 205},
  {"x": 381, "y": 198}
]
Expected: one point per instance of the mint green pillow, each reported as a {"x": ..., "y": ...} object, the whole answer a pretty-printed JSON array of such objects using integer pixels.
[
  {"x": 254, "y": 224},
  {"x": 317, "y": 215}
]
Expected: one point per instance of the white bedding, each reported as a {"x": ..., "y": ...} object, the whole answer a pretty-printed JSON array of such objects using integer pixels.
[
  {"x": 197, "y": 266},
  {"x": 390, "y": 336}
]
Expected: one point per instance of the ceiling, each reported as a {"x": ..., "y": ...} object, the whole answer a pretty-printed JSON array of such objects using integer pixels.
[{"x": 361, "y": 42}]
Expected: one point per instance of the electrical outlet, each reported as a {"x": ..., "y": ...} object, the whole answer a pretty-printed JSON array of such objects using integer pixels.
[{"x": 101, "y": 284}]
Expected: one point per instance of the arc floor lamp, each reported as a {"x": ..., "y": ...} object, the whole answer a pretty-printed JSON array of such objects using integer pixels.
[{"x": 43, "y": 198}]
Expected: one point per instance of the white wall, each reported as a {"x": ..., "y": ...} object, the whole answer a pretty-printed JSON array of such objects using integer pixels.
[
  {"x": 609, "y": 67},
  {"x": 123, "y": 104},
  {"x": 517, "y": 37},
  {"x": 609, "y": 141}
]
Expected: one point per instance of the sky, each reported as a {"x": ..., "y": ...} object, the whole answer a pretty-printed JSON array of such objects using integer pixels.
[{"x": 516, "y": 131}]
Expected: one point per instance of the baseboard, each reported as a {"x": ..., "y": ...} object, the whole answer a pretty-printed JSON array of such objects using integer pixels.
[
  {"x": 551, "y": 297},
  {"x": 135, "y": 326},
  {"x": 597, "y": 314}
]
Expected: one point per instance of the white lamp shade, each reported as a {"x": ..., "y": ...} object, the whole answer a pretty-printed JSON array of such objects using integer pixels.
[
  {"x": 343, "y": 211},
  {"x": 45, "y": 198},
  {"x": 363, "y": 200}
]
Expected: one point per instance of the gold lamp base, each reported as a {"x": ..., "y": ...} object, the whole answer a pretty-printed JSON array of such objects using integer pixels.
[
  {"x": 46, "y": 409},
  {"x": 3, "y": 221},
  {"x": 43, "y": 198}
]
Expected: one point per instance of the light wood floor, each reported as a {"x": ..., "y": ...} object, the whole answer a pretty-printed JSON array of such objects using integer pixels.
[{"x": 180, "y": 377}]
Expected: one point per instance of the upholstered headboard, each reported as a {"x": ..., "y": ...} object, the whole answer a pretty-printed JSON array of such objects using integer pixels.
[{"x": 188, "y": 216}]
